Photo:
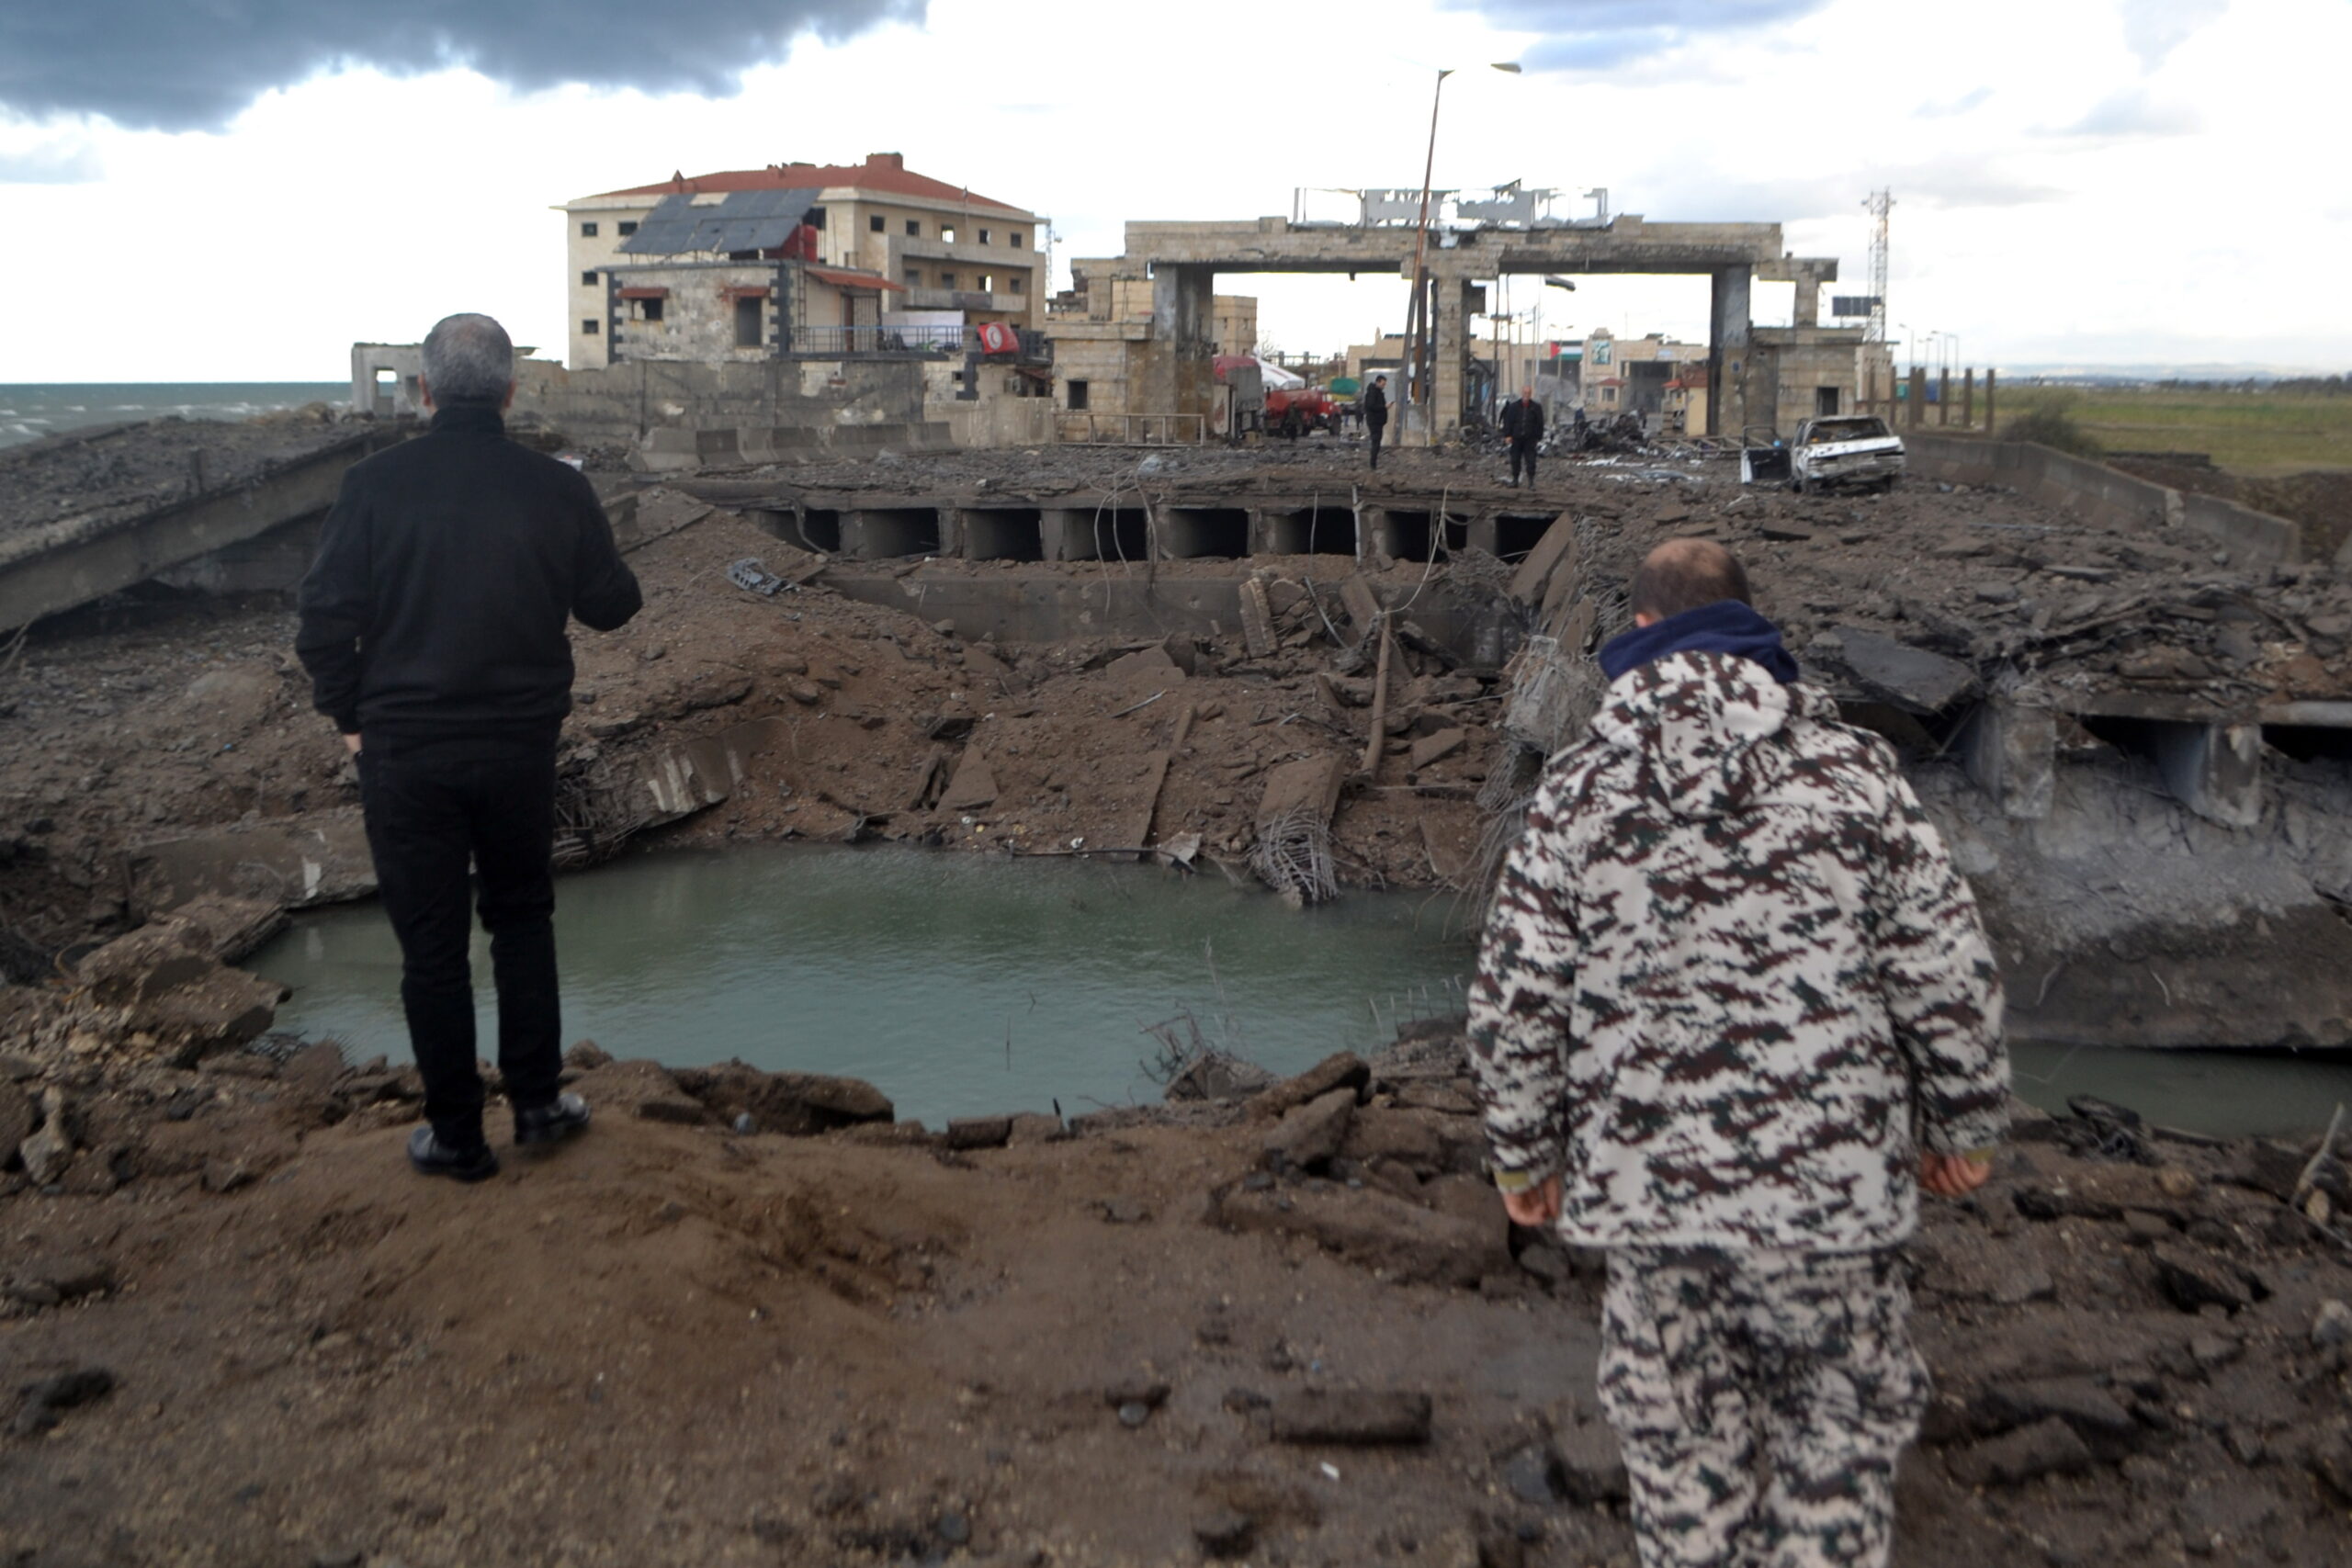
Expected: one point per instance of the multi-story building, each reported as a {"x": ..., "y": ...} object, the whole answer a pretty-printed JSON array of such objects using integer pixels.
[{"x": 713, "y": 267}]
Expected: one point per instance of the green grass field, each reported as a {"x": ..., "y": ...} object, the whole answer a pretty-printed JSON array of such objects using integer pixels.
[{"x": 2253, "y": 433}]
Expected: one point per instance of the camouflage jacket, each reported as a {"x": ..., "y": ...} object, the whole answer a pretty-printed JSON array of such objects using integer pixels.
[{"x": 1732, "y": 981}]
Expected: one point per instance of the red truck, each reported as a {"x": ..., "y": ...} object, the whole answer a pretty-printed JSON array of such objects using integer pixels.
[{"x": 1286, "y": 410}]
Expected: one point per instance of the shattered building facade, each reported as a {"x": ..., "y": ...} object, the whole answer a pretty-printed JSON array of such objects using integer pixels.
[{"x": 844, "y": 251}]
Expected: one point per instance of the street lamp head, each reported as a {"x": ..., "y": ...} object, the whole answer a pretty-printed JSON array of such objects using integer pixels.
[
  {"x": 1511, "y": 66},
  {"x": 1555, "y": 282}
]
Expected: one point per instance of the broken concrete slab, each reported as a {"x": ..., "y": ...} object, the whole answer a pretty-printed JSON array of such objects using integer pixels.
[
  {"x": 1341, "y": 1069},
  {"x": 1911, "y": 678},
  {"x": 1557, "y": 544},
  {"x": 1146, "y": 667},
  {"x": 1307, "y": 1137},
  {"x": 1257, "y": 618},
  {"x": 1361, "y": 604},
  {"x": 1436, "y": 748},
  {"x": 973, "y": 787},
  {"x": 317, "y": 860},
  {"x": 1310, "y": 786}
]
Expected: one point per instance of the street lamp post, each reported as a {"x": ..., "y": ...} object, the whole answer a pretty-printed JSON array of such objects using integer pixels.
[{"x": 1416, "y": 313}]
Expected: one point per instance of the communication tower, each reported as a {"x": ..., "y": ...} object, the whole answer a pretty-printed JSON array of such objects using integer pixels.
[{"x": 1880, "y": 204}]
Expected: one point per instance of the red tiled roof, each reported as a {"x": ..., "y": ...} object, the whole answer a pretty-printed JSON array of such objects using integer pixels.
[{"x": 889, "y": 178}]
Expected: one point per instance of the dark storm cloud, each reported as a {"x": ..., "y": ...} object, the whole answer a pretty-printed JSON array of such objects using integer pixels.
[
  {"x": 1596, "y": 35},
  {"x": 192, "y": 64}
]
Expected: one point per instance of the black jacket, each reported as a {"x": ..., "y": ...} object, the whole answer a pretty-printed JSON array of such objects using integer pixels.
[
  {"x": 1374, "y": 404},
  {"x": 1524, "y": 420},
  {"x": 448, "y": 566}
]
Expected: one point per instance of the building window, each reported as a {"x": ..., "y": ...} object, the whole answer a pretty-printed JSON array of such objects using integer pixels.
[
  {"x": 588, "y": 279},
  {"x": 914, "y": 228},
  {"x": 947, "y": 280},
  {"x": 1019, "y": 282},
  {"x": 1077, "y": 393},
  {"x": 645, "y": 309},
  {"x": 914, "y": 278},
  {"x": 948, "y": 233},
  {"x": 628, "y": 226},
  {"x": 750, "y": 323},
  {"x": 816, "y": 219},
  {"x": 987, "y": 284},
  {"x": 877, "y": 223},
  {"x": 984, "y": 236},
  {"x": 588, "y": 230},
  {"x": 588, "y": 327},
  {"x": 1016, "y": 239}
]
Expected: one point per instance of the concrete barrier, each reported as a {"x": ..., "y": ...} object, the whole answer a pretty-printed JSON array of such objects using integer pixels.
[{"x": 2103, "y": 496}]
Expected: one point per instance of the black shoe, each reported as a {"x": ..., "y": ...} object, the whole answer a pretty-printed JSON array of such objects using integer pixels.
[
  {"x": 433, "y": 1157},
  {"x": 565, "y": 1116}
]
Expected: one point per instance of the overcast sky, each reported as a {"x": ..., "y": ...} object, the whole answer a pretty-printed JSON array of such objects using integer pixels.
[{"x": 239, "y": 191}]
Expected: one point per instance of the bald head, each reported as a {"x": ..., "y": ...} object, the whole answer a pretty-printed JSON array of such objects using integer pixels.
[{"x": 1683, "y": 574}]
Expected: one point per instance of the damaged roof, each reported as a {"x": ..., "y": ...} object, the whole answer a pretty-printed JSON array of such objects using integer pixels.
[{"x": 741, "y": 221}]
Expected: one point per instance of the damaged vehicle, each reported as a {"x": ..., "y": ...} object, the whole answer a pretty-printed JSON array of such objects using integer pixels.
[{"x": 1846, "y": 450}]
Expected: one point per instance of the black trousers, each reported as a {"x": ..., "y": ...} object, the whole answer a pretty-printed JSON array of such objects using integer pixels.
[
  {"x": 1376, "y": 430},
  {"x": 433, "y": 809},
  {"x": 1522, "y": 451}
]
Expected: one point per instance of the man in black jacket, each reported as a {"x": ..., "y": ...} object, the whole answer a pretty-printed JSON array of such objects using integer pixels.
[
  {"x": 1523, "y": 423},
  {"x": 433, "y": 628},
  {"x": 1375, "y": 413}
]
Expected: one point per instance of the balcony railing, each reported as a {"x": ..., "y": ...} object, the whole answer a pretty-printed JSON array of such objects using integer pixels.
[{"x": 824, "y": 342}]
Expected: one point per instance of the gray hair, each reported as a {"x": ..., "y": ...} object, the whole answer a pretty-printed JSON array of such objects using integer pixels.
[{"x": 469, "y": 356}]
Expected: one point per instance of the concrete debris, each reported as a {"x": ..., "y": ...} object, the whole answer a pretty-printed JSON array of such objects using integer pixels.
[
  {"x": 754, "y": 578},
  {"x": 1911, "y": 678},
  {"x": 1360, "y": 1417}
]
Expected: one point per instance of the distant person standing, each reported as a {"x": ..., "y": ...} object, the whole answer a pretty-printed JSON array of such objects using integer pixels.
[
  {"x": 1523, "y": 423},
  {"x": 1375, "y": 413},
  {"x": 433, "y": 625}
]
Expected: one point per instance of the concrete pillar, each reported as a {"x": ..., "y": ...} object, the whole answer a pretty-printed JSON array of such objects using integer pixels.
[
  {"x": 1968, "y": 398},
  {"x": 1179, "y": 368},
  {"x": 1917, "y": 416},
  {"x": 1943, "y": 397},
  {"x": 1988, "y": 397},
  {"x": 2011, "y": 753},
  {"x": 1808, "y": 306},
  {"x": 2215, "y": 770},
  {"x": 1058, "y": 531},
  {"x": 1486, "y": 533},
  {"x": 1727, "y": 350},
  {"x": 1450, "y": 381}
]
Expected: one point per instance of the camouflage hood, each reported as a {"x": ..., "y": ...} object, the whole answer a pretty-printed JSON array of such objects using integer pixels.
[
  {"x": 1732, "y": 981},
  {"x": 1693, "y": 720}
]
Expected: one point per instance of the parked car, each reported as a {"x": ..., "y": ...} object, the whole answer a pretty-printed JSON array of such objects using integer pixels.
[{"x": 1845, "y": 449}]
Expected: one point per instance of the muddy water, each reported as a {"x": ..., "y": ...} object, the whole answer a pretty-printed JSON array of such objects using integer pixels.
[
  {"x": 963, "y": 985},
  {"x": 959, "y": 985}
]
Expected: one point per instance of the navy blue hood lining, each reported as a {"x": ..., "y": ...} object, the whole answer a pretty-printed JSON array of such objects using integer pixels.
[{"x": 1724, "y": 627}]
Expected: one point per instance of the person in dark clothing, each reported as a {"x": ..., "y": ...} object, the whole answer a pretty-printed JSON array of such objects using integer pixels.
[
  {"x": 1523, "y": 423},
  {"x": 433, "y": 628},
  {"x": 1375, "y": 413}
]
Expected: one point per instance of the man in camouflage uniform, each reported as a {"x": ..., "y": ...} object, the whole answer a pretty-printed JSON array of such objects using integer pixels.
[{"x": 1733, "y": 1010}]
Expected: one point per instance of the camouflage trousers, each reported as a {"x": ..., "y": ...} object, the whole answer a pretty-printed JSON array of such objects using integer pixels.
[{"x": 1760, "y": 1398}]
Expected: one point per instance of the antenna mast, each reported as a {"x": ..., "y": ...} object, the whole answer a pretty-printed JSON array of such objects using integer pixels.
[{"x": 1880, "y": 204}]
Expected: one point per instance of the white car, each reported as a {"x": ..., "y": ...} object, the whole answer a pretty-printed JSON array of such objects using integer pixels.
[{"x": 1845, "y": 449}]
